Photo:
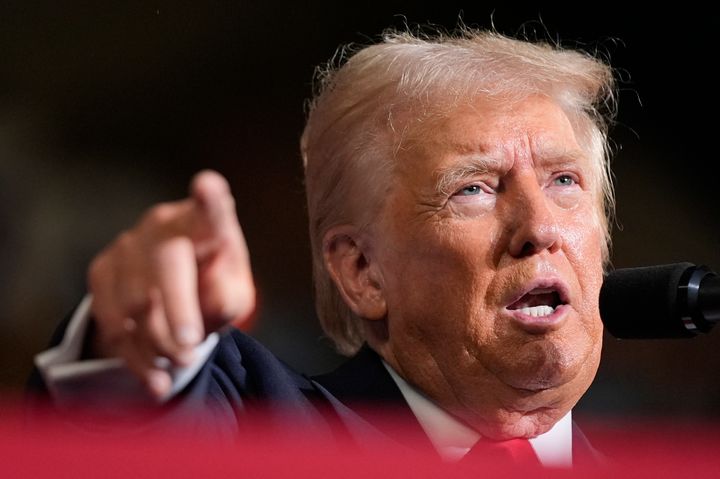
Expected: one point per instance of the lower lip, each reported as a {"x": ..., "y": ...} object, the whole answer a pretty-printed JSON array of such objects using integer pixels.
[{"x": 540, "y": 324}]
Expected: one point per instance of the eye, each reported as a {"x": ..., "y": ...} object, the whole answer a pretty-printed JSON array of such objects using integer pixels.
[
  {"x": 564, "y": 180},
  {"x": 469, "y": 191},
  {"x": 474, "y": 194}
]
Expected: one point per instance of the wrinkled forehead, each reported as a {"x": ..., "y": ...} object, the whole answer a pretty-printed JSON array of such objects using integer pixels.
[{"x": 496, "y": 128}]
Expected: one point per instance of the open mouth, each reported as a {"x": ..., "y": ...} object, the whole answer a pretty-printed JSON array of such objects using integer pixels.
[{"x": 538, "y": 302}]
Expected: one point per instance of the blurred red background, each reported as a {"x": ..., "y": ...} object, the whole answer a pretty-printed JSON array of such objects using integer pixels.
[{"x": 636, "y": 449}]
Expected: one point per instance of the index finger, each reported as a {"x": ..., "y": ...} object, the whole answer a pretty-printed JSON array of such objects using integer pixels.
[{"x": 211, "y": 192}]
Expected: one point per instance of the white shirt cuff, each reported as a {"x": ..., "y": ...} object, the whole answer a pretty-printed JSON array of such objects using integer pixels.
[{"x": 105, "y": 383}]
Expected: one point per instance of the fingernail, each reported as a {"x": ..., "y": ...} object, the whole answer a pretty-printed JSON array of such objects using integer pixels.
[
  {"x": 162, "y": 362},
  {"x": 187, "y": 336}
]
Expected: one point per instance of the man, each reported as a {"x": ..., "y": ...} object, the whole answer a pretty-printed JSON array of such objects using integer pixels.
[{"x": 457, "y": 195}]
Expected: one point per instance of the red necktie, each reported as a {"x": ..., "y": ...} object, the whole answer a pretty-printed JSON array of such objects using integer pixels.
[{"x": 501, "y": 453}]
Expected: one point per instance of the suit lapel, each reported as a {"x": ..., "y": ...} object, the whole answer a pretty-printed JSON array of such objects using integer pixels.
[{"x": 368, "y": 402}]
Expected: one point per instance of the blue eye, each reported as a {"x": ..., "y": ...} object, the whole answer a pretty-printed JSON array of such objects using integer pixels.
[
  {"x": 564, "y": 180},
  {"x": 470, "y": 190}
]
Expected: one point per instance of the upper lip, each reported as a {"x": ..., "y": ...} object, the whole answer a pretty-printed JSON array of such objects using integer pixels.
[{"x": 541, "y": 285}]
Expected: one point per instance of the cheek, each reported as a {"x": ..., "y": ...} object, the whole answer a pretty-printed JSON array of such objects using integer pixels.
[
  {"x": 585, "y": 253},
  {"x": 585, "y": 244},
  {"x": 583, "y": 236},
  {"x": 439, "y": 272}
]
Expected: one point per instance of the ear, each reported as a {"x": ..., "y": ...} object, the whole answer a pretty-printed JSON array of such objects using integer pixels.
[{"x": 354, "y": 272}]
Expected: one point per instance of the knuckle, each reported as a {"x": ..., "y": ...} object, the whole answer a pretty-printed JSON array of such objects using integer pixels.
[
  {"x": 125, "y": 242},
  {"x": 102, "y": 266},
  {"x": 134, "y": 294},
  {"x": 104, "y": 262},
  {"x": 180, "y": 244},
  {"x": 97, "y": 272},
  {"x": 158, "y": 215},
  {"x": 173, "y": 247}
]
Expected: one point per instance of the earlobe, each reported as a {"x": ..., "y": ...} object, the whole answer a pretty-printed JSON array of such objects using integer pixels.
[{"x": 354, "y": 272}]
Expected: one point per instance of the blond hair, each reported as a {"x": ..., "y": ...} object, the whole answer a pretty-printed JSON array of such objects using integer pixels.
[{"x": 350, "y": 138}]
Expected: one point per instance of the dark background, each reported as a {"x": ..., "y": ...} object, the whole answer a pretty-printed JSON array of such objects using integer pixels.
[{"x": 108, "y": 107}]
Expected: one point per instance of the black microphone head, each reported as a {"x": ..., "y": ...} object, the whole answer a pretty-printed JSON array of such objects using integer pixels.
[{"x": 644, "y": 302}]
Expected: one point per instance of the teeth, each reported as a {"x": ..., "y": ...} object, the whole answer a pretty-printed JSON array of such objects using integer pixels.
[{"x": 537, "y": 311}]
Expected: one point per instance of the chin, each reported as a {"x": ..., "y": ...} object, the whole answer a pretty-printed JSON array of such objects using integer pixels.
[
  {"x": 540, "y": 379},
  {"x": 542, "y": 365},
  {"x": 521, "y": 426}
]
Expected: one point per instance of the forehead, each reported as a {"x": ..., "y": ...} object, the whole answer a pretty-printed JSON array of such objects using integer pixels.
[{"x": 535, "y": 128}]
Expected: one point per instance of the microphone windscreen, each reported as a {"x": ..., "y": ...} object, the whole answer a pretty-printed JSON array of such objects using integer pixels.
[{"x": 644, "y": 302}]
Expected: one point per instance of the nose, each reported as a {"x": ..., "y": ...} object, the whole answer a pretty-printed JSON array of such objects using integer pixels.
[{"x": 532, "y": 223}]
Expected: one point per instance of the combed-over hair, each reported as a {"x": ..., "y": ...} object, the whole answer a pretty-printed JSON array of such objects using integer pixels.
[{"x": 353, "y": 128}]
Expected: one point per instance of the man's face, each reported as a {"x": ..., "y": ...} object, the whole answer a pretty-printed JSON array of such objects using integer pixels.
[{"x": 490, "y": 251}]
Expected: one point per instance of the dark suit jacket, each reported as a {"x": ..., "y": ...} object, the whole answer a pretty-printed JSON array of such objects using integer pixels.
[{"x": 359, "y": 402}]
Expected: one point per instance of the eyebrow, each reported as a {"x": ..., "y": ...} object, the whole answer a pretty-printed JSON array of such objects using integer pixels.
[{"x": 467, "y": 166}]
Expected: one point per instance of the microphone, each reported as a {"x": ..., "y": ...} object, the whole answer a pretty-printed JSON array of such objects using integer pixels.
[{"x": 666, "y": 301}]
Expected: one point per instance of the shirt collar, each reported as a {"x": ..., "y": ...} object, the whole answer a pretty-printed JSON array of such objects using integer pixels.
[{"x": 452, "y": 439}]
